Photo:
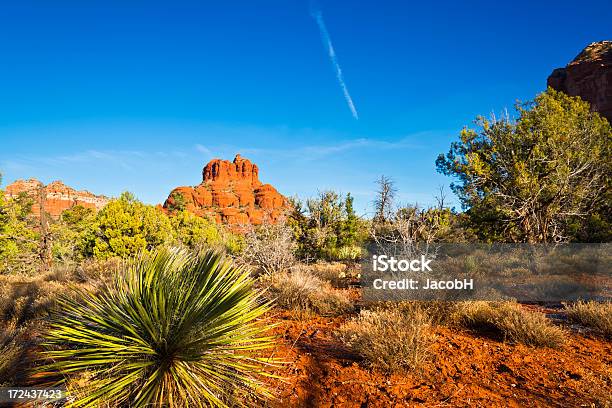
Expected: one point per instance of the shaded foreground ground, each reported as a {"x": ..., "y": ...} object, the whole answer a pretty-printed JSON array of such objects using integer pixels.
[{"x": 466, "y": 369}]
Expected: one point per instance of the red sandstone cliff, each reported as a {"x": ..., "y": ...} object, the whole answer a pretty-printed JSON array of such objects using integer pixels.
[
  {"x": 57, "y": 196},
  {"x": 230, "y": 193},
  {"x": 589, "y": 76}
]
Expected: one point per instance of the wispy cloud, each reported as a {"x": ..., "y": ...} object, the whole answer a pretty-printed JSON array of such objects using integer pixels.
[
  {"x": 124, "y": 159},
  {"x": 318, "y": 16},
  {"x": 295, "y": 160},
  {"x": 203, "y": 149},
  {"x": 313, "y": 152}
]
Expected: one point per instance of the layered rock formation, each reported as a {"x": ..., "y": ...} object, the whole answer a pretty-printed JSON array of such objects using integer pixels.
[
  {"x": 589, "y": 76},
  {"x": 54, "y": 197},
  {"x": 230, "y": 193}
]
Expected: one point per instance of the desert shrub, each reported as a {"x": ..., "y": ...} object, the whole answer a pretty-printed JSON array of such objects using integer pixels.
[
  {"x": 176, "y": 202},
  {"x": 335, "y": 273},
  {"x": 195, "y": 232},
  {"x": 97, "y": 271},
  {"x": 125, "y": 227},
  {"x": 301, "y": 291},
  {"x": 531, "y": 328},
  {"x": 28, "y": 300},
  {"x": 68, "y": 233},
  {"x": 19, "y": 239},
  {"x": 525, "y": 180},
  {"x": 410, "y": 229},
  {"x": 12, "y": 349},
  {"x": 174, "y": 329},
  {"x": 326, "y": 227},
  {"x": 24, "y": 305},
  {"x": 512, "y": 322},
  {"x": 233, "y": 242},
  {"x": 389, "y": 339},
  {"x": 439, "y": 312},
  {"x": 345, "y": 253},
  {"x": 592, "y": 314},
  {"x": 269, "y": 247},
  {"x": 62, "y": 272}
]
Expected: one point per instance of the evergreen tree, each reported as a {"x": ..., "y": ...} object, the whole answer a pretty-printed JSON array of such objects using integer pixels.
[
  {"x": 540, "y": 178},
  {"x": 19, "y": 240},
  {"x": 126, "y": 226}
]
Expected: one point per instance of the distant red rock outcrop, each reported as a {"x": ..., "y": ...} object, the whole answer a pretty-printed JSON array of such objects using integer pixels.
[
  {"x": 230, "y": 193},
  {"x": 589, "y": 76},
  {"x": 54, "y": 197}
]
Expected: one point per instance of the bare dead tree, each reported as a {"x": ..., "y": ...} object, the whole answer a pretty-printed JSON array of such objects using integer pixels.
[
  {"x": 45, "y": 253},
  {"x": 441, "y": 197},
  {"x": 269, "y": 247},
  {"x": 385, "y": 195},
  {"x": 407, "y": 230},
  {"x": 410, "y": 232}
]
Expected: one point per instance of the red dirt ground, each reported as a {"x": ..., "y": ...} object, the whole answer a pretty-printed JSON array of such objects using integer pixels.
[{"x": 466, "y": 370}]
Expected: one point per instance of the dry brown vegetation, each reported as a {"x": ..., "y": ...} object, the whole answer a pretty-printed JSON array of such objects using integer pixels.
[
  {"x": 12, "y": 349},
  {"x": 597, "y": 316},
  {"x": 345, "y": 355},
  {"x": 466, "y": 369},
  {"x": 337, "y": 273},
  {"x": 395, "y": 336},
  {"x": 389, "y": 339},
  {"x": 25, "y": 304},
  {"x": 511, "y": 321},
  {"x": 506, "y": 320},
  {"x": 301, "y": 291}
]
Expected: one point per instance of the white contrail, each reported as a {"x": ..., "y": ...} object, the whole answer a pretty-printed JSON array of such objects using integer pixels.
[{"x": 316, "y": 14}]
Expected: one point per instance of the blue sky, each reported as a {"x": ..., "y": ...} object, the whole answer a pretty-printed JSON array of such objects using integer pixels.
[{"x": 113, "y": 97}]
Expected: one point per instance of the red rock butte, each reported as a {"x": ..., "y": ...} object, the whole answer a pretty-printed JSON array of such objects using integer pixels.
[
  {"x": 54, "y": 197},
  {"x": 230, "y": 193},
  {"x": 589, "y": 76}
]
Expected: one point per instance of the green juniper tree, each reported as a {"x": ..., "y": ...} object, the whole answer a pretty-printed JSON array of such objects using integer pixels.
[
  {"x": 327, "y": 227},
  {"x": 19, "y": 240},
  {"x": 68, "y": 233},
  {"x": 126, "y": 226},
  {"x": 544, "y": 177}
]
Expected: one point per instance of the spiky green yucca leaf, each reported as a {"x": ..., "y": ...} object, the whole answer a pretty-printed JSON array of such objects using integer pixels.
[{"x": 174, "y": 329}]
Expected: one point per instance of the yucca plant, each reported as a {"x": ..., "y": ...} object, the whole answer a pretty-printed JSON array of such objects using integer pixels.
[{"x": 174, "y": 329}]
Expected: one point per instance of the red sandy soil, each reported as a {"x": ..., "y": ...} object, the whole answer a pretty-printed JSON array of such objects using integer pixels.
[{"x": 466, "y": 370}]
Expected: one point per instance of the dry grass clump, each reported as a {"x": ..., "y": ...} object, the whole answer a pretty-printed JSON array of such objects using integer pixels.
[
  {"x": 18, "y": 306},
  {"x": 592, "y": 314},
  {"x": 301, "y": 291},
  {"x": 337, "y": 273},
  {"x": 97, "y": 271},
  {"x": 12, "y": 350},
  {"x": 389, "y": 339},
  {"x": 25, "y": 304},
  {"x": 28, "y": 300},
  {"x": 531, "y": 328},
  {"x": 478, "y": 315},
  {"x": 512, "y": 322},
  {"x": 334, "y": 272},
  {"x": 440, "y": 312}
]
